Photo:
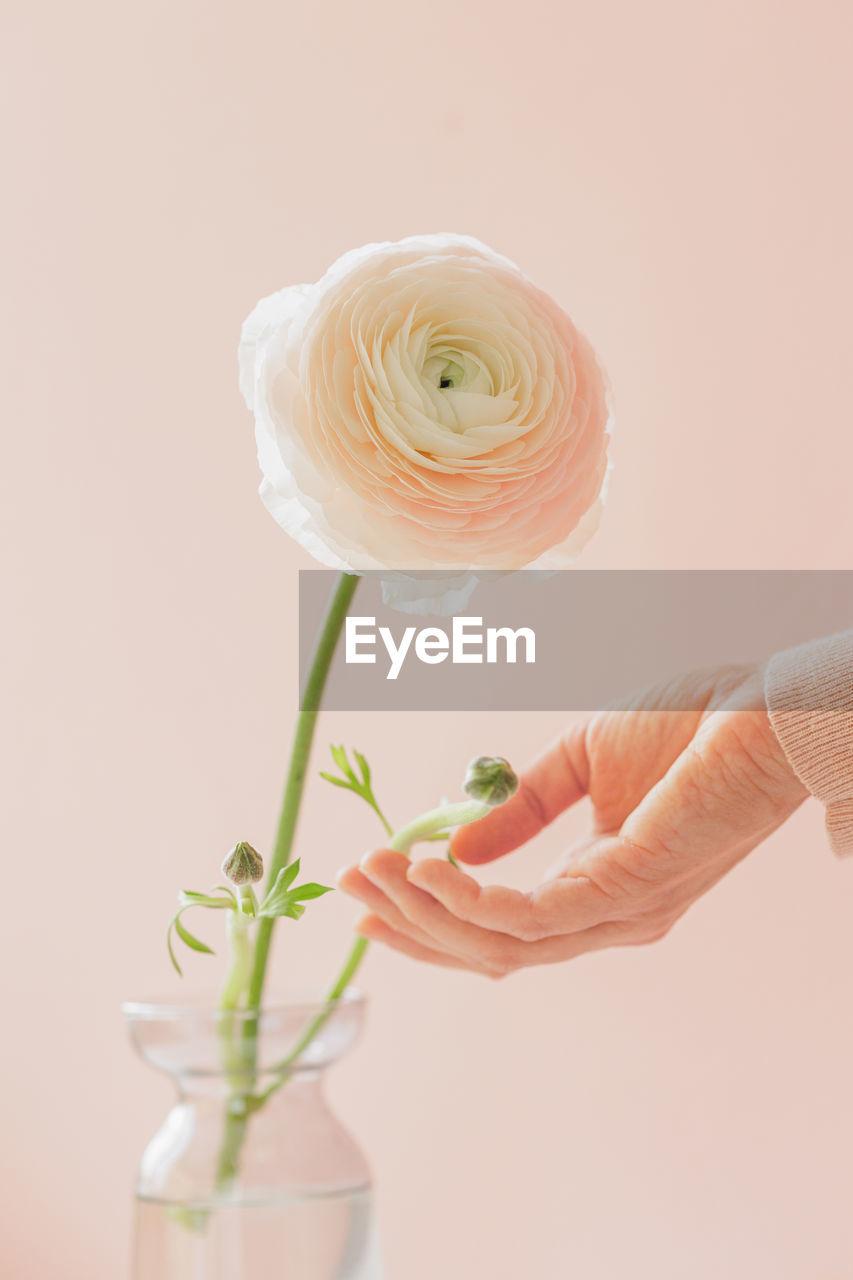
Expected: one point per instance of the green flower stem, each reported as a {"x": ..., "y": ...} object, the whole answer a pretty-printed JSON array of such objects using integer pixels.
[
  {"x": 241, "y": 1102},
  {"x": 240, "y": 948},
  {"x": 315, "y": 1026},
  {"x": 228, "y": 1158},
  {"x": 422, "y": 828},
  {"x": 237, "y": 933},
  {"x": 301, "y": 750},
  {"x": 435, "y": 820}
]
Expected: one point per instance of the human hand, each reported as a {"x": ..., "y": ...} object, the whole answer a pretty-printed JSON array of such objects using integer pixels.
[{"x": 678, "y": 798}]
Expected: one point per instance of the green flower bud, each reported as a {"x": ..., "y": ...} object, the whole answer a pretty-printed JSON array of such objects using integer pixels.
[
  {"x": 491, "y": 780},
  {"x": 243, "y": 865}
]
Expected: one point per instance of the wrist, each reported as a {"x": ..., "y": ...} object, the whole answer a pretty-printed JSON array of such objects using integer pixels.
[{"x": 809, "y": 698}]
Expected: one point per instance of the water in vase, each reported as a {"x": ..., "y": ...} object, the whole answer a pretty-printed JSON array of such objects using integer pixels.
[{"x": 319, "y": 1237}]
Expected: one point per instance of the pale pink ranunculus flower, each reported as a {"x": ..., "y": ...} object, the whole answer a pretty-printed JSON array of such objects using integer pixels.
[{"x": 424, "y": 406}]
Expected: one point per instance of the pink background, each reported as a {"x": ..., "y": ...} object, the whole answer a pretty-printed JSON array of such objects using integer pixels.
[{"x": 677, "y": 175}]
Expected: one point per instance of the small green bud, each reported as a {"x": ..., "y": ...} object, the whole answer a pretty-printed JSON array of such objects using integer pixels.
[
  {"x": 243, "y": 865},
  {"x": 491, "y": 780}
]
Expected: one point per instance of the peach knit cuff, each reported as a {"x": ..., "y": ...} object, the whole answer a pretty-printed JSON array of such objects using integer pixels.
[{"x": 809, "y": 693}]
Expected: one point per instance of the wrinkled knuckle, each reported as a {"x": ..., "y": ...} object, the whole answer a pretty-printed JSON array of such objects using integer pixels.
[
  {"x": 569, "y": 757},
  {"x": 743, "y": 759},
  {"x": 632, "y": 877},
  {"x": 773, "y": 776}
]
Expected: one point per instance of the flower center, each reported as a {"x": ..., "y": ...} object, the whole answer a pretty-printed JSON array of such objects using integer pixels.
[
  {"x": 444, "y": 372},
  {"x": 462, "y": 391}
]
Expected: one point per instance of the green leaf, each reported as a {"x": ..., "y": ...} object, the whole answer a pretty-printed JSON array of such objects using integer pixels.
[
  {"x": 359, "y": 786},
  {"x": 282, "y": 900},
  {"x": 172, "y": 956},
  {"x": 275, "y": 906},
  {"x": 288, "y": 874},
  {"x": 363, "y": 766},
  {"x": 283, "y": 881},
  {"x": 223, "y": 888},
  {"x": 337, "y": 782},
  {"x": 452, "y": 861},
  {"x": 339, "y": 756},
  {"x": 285, "y": 905},
  {"x": 305, "y": 892},
  {"x": 190, "y": 939},
  {"x": 190, "y": 899}
]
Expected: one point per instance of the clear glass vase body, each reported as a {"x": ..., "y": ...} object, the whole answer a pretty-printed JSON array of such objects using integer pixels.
[{"x": 230, "y": 1191}]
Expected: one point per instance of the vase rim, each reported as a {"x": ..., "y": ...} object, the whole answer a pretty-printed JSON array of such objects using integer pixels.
[{"x": 208, "y": 1007}]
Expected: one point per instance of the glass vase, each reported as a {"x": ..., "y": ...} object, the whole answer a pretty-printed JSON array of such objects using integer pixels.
[{"x": 251, "y": 1176}]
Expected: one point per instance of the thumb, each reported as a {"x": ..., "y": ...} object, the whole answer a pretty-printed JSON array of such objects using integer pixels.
[{"x": 556, "y": 780}]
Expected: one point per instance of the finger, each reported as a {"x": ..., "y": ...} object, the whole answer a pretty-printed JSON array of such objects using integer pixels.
[
  {"x": 497, "y": 952},
  {"x": 352, "y": 881},
  {"x": 555, "y": 781},
  {"x": 424, "y": 914},
  {"x": 376, "y": 929},
  {"x": 559, "y": 906},
  {"x": 558, "y": 949}
]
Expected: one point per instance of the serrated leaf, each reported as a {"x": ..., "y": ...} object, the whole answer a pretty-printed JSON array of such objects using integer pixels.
[
  {"x": 285, "y": 901},
  {"x": 285, "y": 905},
  {"x": 359, "y": 786},
  {"x": 339, "y": 756},
  {"x": 279, "y": 888},
  {"x": 275, "y": 905}
]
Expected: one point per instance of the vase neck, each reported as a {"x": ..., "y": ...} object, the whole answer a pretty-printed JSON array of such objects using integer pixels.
[
  {"x": 241, "y": 1049},
  {"x": 199, "y": 1087}
]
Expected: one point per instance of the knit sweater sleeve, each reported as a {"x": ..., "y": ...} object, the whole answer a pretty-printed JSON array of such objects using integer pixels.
[{"x": 809, "y": 692}]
